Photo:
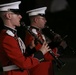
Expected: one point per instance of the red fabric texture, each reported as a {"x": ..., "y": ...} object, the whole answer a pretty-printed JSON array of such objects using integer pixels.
[{"x": 10, "y": 54}]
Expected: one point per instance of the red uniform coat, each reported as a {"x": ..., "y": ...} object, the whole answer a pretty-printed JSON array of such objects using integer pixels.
[
  {"x": 10, "y": 54},
  {"x": 45, "y": 67}
]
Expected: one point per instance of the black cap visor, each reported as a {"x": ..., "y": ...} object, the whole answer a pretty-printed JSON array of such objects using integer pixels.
[
  {"x": 16, "y": 11},
  {"x": 43, "y": 15}
]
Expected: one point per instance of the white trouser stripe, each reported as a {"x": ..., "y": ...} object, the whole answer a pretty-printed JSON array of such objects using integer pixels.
[{"x": 11, "y": 67}]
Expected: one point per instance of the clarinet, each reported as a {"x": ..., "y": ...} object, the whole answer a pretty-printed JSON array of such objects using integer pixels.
[
  {"x": 59, "y": 63},
  {"x": 53, "y": 33}
]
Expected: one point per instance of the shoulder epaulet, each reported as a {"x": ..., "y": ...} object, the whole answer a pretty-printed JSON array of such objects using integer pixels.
[
  {"x": 34, "y": 31},
  {"x": 9, "y": 32}
]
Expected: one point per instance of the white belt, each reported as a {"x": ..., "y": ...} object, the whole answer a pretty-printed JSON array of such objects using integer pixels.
[{"x": 11, "y": 67}]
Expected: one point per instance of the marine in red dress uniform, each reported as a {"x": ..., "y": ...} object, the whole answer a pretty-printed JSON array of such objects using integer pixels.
[
  {"x": 12, "y": 48},
  {"x": 10, "y": 54},
  {"x": 45, "y": 67}
]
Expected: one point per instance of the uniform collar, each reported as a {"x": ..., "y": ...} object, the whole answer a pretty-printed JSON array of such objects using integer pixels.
[
  {"x": 35, "y": 28},
  {"x": 11, "y": 29}
]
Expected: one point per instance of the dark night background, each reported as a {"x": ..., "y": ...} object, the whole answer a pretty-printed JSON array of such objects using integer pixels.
[{"x": 62, "y": 22}]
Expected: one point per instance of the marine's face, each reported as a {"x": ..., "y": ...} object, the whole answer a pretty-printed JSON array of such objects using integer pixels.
[
  {"x": 41, "y": 21},
  {"x": 15, "y": 19}
]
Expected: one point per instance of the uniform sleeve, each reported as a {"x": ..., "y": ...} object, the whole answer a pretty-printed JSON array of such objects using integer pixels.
[
  {"x": 39, "y": 55},
  {"x": 15, "y": 55},
  {"x": 28, "y": 39},
  {"x": 47, "y": 56},
  {"x": 36, "y": 54}
]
